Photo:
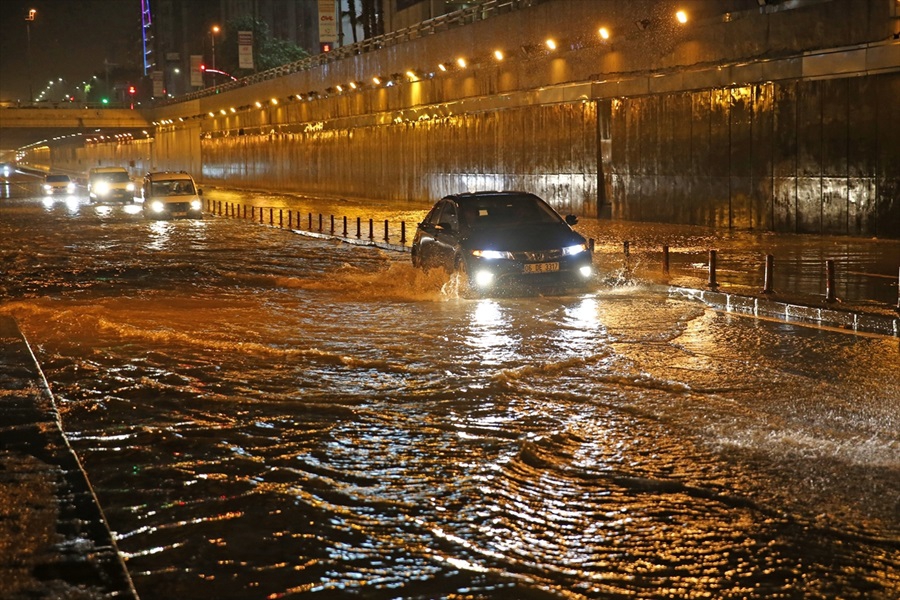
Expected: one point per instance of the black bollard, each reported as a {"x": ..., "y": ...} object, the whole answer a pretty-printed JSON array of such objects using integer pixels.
[
  {"x": 320, "y": 222},
  {"x": 666, "y": 260},
  {"x": 711, "y": 284},
  {"x": 345, "y": 225},
  {"x": 371, "y": 230},
  {"x": 358, "y": 227},
  {"x": 402, "y": 233},
  {"x": 310, "y": 223},
  {"x": 829, "y": 281},
  {"x": 280, "y": 218},
  {"x": 385, "y": 230},
  {"x": 627, "y": 248},
  {"x": 271, "y": 216},
  {"x": 332, "y": 225},
  {"x": 290, "y": 220},
  {"x": 769, "y": 275}
]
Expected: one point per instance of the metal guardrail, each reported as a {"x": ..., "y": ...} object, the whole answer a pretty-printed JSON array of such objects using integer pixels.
[{"x": 459, "y": 18}]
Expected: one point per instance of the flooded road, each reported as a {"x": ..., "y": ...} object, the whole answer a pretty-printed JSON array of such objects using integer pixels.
[{"x": 265, "y": 415}]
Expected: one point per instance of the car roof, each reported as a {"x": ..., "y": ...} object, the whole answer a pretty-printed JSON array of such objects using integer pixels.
[
  {"x": 505, "y": 195},
  {"x": 168, "y": 175},
  {"x": 107, "y": 169}
]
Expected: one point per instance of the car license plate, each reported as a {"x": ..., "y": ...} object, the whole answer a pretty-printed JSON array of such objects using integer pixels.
[{"x": 542, "y": 267}]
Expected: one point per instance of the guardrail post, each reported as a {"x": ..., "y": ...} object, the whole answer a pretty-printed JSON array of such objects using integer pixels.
[
  {"x": 245, "y": 212},
  {"x": 665, "y": 260},
  {"x": 290, "y": 220},
  {"x": 769, "y": 276},
  {"x": 280, "y": 218},
  {"x": 358, "y": 227},
  {"x": 271, "y": 216},
  {"x": 310, "y": 222},
  {"x": 220, "y": 208},
  {"x": 345, "y": 225},
  {"x": 371, "y": 230},
  {"x": 320, "y": 222},
  {"x": 711, "y": 283},
  {"x": 829, "y": 281},
  {"x": 385, "y": 230},
  {"x": 402, "y": 233},
  {"x": 332, "y": 225}
]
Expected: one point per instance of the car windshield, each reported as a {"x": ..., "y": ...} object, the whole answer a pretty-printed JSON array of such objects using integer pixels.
[
  {"x": 179, "y": 187},
  {"x": 501, "y": 211},
  {"x": 57, "y": 179},
  {"x": 117, "y": 177}
]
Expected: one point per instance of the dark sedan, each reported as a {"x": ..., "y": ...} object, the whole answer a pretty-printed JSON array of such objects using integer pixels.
[{"x": 503, "y": 242}]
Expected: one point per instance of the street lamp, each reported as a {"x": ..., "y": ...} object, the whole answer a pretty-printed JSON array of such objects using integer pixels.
[
  {"x": 212, "y": 36},
  {"x": 28, "y": 19}
]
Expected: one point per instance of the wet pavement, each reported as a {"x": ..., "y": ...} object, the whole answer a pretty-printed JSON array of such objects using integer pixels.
[{"x": 54, "y": 539}]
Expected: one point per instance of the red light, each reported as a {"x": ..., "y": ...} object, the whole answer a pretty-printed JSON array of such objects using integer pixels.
[
  {"x": 131, "y": 90},
  {"x": 202, "y": 67},
  {"x": 326, "y": 47}
]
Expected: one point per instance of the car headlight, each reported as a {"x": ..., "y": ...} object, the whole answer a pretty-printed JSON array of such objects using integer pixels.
[
  {"x": 70, "y": 188},
  {"x": 47, "y": 187},
  {"x": 585, "y": 271},
  {"x": 157, "y": 206},
  {"x": 196, "y": 205},
  {"x": 491, "y": 254},
  {"x": 573, "y": 250},
  {"x": 130, "y": 187},
  {"x": 484, "y": 278},
  {"x": 102, "y": 188}
]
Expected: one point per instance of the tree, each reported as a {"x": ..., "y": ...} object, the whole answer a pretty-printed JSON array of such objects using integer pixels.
[{"x": 268, "y": 52}]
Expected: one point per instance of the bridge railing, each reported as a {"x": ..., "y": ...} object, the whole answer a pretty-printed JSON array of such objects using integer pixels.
[{"x": 459, "y": 18}]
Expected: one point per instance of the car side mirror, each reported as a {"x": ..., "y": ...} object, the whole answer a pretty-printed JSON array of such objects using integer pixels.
[
  {"x": 571, "y": 219},
  {"x": 199, "y": 192}
]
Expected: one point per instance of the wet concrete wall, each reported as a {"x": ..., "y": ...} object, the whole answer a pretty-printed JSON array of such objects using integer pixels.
[{"x": 799, "y": 156}]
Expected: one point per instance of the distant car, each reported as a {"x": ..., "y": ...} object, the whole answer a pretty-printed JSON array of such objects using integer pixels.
[
  {"x": 503, "y": 242},
  {"x": 110, "y": 184},
  {"x": 58, "y": 184},
  {"x": 6, "y": 170},
  {"x": 169, "y": 194}
]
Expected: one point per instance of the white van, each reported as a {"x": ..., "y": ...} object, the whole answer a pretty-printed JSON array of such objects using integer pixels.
[
  {"x": 169, "y": 194},
  {"x": 110, "y": 184}
]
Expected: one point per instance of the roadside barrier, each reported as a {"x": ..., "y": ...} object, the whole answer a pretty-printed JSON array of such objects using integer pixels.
[
  {"x": 712, "y": 283},
  {"x": 394, "y": 234}
]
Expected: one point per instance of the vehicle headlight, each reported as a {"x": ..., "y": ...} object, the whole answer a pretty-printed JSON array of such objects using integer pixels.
[
  {"x": 585, "y": 271},
  {"x": 573, "y": 250},
  {"x": 47, "y": 187},
  {"x": 102, "y": 188},
  {"x": 196, "y": 204},
  {"x": 130, "y": 187},
  {"x": 70, "y": 188},
  {"x": 484, "y": 278},
  {"x": 491, "y": 254},
  {"x": 157, "y": 206}
]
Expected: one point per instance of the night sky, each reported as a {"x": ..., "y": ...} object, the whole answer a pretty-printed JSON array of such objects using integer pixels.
[{"x": 69, "y": 39}]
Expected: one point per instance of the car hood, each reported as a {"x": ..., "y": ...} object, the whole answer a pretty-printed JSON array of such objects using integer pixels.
[{"x": 542, "y": 236}]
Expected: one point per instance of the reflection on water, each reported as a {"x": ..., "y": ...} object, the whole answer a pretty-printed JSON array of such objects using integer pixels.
[{"x": 268, "y": 416}]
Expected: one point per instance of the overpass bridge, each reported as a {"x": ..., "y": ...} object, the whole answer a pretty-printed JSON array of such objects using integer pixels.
[{"x": 21, "y": 127}]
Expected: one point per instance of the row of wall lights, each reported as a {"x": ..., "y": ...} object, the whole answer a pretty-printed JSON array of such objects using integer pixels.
[{"x": 412, "y": 75}]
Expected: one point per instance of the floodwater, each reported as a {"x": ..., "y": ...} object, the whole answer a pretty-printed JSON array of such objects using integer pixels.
[{"x": 266, "y": 415}]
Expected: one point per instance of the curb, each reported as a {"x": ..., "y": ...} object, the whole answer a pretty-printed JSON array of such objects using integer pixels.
[{"x": 882, "y": 324}]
